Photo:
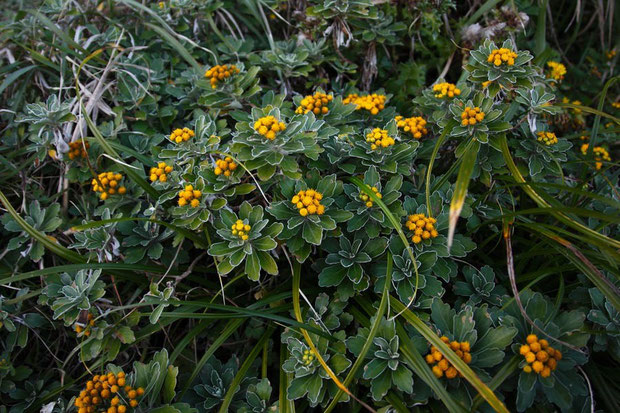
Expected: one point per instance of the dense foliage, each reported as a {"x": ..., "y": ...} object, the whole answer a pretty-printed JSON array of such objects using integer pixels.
[{"x": 290, "y": 205}]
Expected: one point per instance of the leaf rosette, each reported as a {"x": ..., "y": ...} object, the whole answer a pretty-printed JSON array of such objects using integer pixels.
[{"x": 253, "y": 251}]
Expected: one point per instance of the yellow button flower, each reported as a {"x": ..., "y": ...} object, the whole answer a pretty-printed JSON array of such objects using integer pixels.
[
  {"x": 160, "y": 172},
  {"x": 181, "y": 135},
  {"x": 317, "y": 103},
  {"x": 548, "y": 138},
  {"x": 308, "y": 202},
  {"x": 269, "y": 127},
  {"x": 423, "y": 228},
  {"x": 471, "y": 116},
  {"x": 189, "y": 195},
  {"x": 558, "y": 70},
  {"x": 241, "y": 230},
  {"x": 366, "y": 199},
  {"x": 540, "y": 357},
  {"x": 374, "y": 103},
  {"x": 416, "y": 125},
  {"x": 107, "y": 183},
  {"x": 442, "y": 365},
  {"x": 220, "y": 72},
  {"x": 445, "y": 89},
  {"x": 600, "y": 154},
  {"x": 378, "y": 138},
  {"x": 77, "y": 150},
  {"x": 502, "y": 56},
  {"x": 225, "y": 166}
]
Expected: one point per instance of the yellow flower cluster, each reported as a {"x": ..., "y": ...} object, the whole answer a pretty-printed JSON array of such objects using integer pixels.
[
  {"x": 308, "y": 357},
  {"x": 423, "y": 227},
  {"x": 611, "y": 54},
  {"x": 240, "y": 229},
  {"x": 600, "y": 154},
  {"x": 548, "y": 138},
  {"x": 471, "y": 116},
  {"x": 269, "y": 126},
  {"x": 189, "y": 194},
  {"x": 616, "y": 105},
  {"x": 576, "y": 111},
  {"x": 558, "y": 70},
  {"x": 378, "y": 138},
  {"x": 540, "y": 356},
  {"x": 86, "y": 330},
  {"x": 366, "y": 199},
  {"x": 107, "y": 183},
  {"x": 224, "y": 166},
  {"x": 108, "y": 393},
  {"x": 308, "y": 202},
  {"x": 220, "y": 72},
  {"x": 316, "y": 103},
  {"x": 443, "y": 366},
  {"x": 373, "y": 103},
  {"x": 503, "y": 55},
  {"x": 415, "y": 125},
  {"x": 77, "y": 150},
  {"x": 446, "y": 89},
  {"x": 160, "y": 172},
  {"x": 181, "y": 135}
]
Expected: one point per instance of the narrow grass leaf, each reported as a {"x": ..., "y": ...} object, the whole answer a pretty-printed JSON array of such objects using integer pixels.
[{"x": 461, "y": 185}]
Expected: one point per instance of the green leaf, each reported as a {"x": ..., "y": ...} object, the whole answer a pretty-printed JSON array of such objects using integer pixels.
[
  {"x": 170, "y": 384},
  {"x": 267, "y": 262},
  {"x": 264, "y": 244},
  {"x": 252, "y": 267},
  {"x": 460, "y": 187},
  {"x": 312, "y": 233}
]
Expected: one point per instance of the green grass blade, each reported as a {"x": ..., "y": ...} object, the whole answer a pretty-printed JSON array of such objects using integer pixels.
[
  {"x": 579, "y": 260},
  {"x": 461, "y": 185},
  {"x": 14, "y": 76},
  {"x": 85, "y": 266},
  {"x": 541, "y": 29},
  {"x": 186, "y": 233},
  {"x": 176, "y": 45},
  {"x": 431, "y": 162},
  {"x": 56, "y": 30},
  {"x": 286, "y": 405},
  {"x": 501, "y": 376}
]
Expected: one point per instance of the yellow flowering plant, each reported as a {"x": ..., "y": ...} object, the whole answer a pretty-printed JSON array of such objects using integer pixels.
[
  {"x": 544, "y": 152},
  {"x": 504, "y": 67},
  {"x": 547, "y": 356},
  {"x": 556, "y": 70},
  {"x": 471, "y": 335},
  {"x": 265, "y": 150},
  {"x": 247, "y": 238},
  {"x": 193, "y": 206},
  {"x": 369, "y": 217},
  {"x": 384, "y": 149},
  {"x": 305, "y": 226},
  {"x": 477, "y": 117}
]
